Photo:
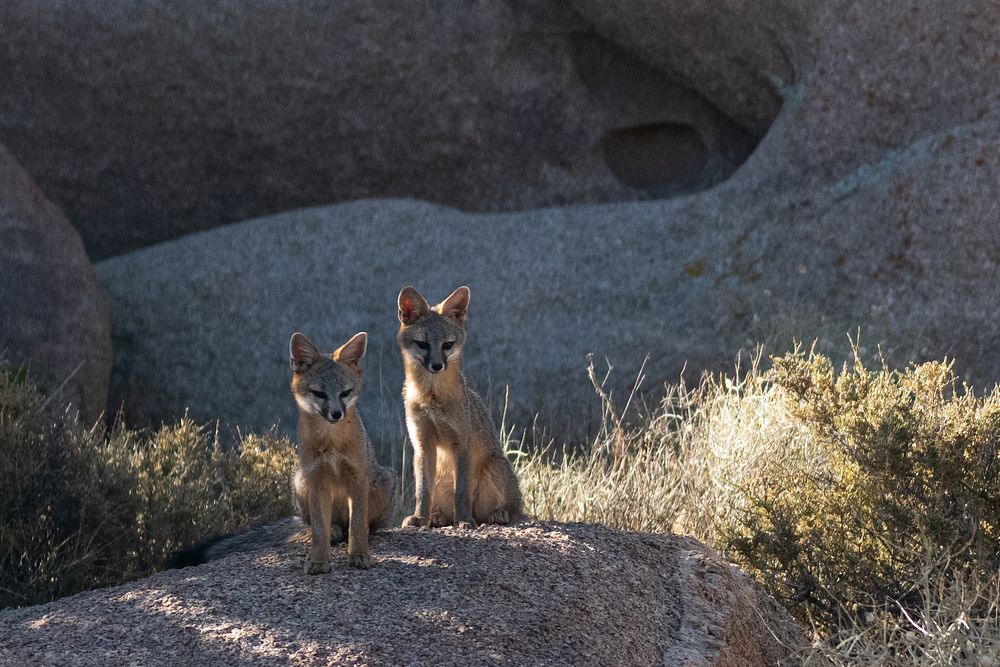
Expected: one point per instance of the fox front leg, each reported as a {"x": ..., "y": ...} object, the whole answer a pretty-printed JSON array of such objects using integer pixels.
[
  {"x": 424, "y": 471},
  {"x": 357, "y": 537},
  {"x": 320, "y": 510},
  {"x": 463, "y": 490}
]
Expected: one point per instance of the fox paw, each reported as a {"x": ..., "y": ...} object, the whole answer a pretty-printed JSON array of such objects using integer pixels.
[
  {"x": 317, "y": 567},
  {"x": 337, "y": 535},
  {"x": 414, "y": 521},
  {"x": 439, "y": 520},
  {"x": 501, "y": 517},
  {"x": 360, "y": 561},
  {"x": 466, "y": 524}
]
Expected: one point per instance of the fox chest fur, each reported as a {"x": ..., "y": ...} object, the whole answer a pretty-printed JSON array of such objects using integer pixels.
[
  {"x": 332, "y": 453},
  {"x": 436, "y": 404}
]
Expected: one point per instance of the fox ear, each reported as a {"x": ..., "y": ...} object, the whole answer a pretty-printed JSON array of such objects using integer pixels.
[
  {"x": 456, "y": 305},
  {"x": 352, "y": 351},
  {"x": 412, "y": 305},
  {"x": 302, "y": 353}
]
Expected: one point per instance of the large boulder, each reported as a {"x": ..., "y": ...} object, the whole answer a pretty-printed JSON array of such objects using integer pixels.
[
  {"x": 871, "y": 201},
  {"x": 203, "y": 322},
  {"x": 531, "y": 594},
  {"x": 148, "y": 120},
  {"x": 53, "y": 316},
  {"x": 849, "y": 97}
]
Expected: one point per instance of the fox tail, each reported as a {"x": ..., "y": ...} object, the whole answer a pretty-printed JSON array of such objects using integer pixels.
[{"x": 263, "y": 536}]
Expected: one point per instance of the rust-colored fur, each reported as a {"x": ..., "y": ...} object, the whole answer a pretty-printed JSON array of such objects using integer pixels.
[
  {"x": 339, "y": 487},
  {"x": 461, "y": 474}
]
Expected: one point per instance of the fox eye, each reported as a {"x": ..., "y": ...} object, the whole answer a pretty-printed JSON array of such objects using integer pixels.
[
  {"x": 422, "y": 344},
  {"x": 345, "y": 393},
  {"x": 318, "y": 394},
  {"x": 447, "y": 345}
]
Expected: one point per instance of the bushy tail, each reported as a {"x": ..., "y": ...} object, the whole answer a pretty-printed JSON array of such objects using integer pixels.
[
  {"x": 264, "y": 536},
  {"x": 384, "y": 513}
]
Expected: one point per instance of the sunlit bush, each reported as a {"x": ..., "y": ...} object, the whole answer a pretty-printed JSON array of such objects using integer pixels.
[
  {"x": 839, "y": 490},
  {"x": 910, "y": 482}
]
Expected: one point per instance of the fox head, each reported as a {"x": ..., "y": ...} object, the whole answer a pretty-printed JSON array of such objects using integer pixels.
[
  {"x": 326, "y": 385},
  {"x": 433, "y": 337}
]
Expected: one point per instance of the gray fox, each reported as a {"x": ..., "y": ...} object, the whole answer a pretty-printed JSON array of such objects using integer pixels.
[
  {"x": 340, "y": 489},
  {"x": 461, "y": 475}
]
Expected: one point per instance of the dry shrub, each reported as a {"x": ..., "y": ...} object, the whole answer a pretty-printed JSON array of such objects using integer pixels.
[
  {"x": 910, "y": 482},
  {"x": 83, "y": 508},
  {"x": 861, "y": 497},
  {"x": 955, "y": 623}
]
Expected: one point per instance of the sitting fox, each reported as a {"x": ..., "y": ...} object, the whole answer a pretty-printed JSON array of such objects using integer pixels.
[
  {"x": 461, "y": 475},
  {"x": 339, "y": 488}
]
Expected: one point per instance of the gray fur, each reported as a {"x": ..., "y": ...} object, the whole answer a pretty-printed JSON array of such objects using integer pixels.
[{"x": 266, "y": 536}]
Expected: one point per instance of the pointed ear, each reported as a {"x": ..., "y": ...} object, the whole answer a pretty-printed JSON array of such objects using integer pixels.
[
  {"x": 302, "y": 353},
  {"x": 412, "y": 305},
  {"x": 456, "y": 305},
  {"x": 352, "y": 351}
]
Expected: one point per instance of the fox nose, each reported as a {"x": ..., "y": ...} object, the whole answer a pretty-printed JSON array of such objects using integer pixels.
[
  {"x": 335, "y": 415},
  {"x": 435, "y": 367}
]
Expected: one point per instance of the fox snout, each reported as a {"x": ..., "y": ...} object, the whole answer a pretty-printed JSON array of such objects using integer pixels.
[
  {"x": 330, "y": 408},
  {"x": 434, "y": 359}
]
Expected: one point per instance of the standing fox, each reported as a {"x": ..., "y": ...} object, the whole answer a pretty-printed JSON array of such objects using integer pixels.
[
  {"x": 339, "y": 488},
  {"x": 460, "y": 472}
]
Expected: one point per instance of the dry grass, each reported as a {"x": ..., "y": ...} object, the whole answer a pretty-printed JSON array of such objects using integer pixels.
[
  {"x": 683, "y": 468},
  {"x": 954, "y": 624}
]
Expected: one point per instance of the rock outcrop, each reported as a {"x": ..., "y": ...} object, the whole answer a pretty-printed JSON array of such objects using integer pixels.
[
  {"x": 531, "y": 594},
  {"x": 147, "y": 121},
  {"x": 53, "y": 316},
  {"x": 871, "y": 201}
]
